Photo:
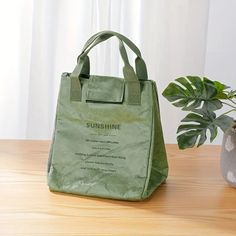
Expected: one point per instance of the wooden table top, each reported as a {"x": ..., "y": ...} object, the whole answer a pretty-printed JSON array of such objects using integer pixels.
[{"x": 195, "y": 200}]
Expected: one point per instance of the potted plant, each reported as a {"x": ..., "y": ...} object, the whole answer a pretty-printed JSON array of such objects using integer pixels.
[{"x": 202, "y": 99}]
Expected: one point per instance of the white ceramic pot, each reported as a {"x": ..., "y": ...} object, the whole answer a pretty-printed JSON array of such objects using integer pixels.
[{"x": 228, "y": 157}]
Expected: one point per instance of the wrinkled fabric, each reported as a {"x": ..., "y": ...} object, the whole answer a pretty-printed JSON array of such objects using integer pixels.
[{"x": 102, "y": 146}]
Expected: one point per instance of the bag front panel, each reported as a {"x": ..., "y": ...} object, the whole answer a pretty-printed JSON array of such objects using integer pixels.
[{"x": 101, "y": 149}]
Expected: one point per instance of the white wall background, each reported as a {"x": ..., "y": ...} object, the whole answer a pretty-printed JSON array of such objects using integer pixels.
[{"x": 40, "y": 39}]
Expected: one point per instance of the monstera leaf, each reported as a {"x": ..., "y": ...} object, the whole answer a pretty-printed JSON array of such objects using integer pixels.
[
  {"x": 201, "y": 97},
  {"x": 193, "y": 92},
  {"x": 194, "y": 130}
]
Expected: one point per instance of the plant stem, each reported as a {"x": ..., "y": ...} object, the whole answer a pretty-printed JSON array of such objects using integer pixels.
[
  {"x": 232, "y": 101},
  {"x": 229, "y": 105},
  {"x": 229, "y": 111}
]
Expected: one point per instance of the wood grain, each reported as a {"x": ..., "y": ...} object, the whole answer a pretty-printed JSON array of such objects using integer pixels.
[{"x": 194, "y": 201}]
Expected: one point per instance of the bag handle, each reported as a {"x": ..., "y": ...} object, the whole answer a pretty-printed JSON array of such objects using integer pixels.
[
  {"x": 107, "y": 34},
  {"x": 132, "y": 82},
  {"x": 140, "y": 66},
  {"x": 122, "y": 50}
]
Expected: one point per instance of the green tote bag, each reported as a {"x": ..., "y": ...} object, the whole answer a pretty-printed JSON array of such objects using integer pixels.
[{"x": 108, "y": 139}]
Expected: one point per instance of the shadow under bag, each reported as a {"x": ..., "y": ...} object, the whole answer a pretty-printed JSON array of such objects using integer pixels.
[{"x": 108, "y": 139}]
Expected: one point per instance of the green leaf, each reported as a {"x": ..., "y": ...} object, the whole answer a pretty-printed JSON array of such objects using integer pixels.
[
  {"x": 219, "y": 86},
  {"x": 213, "y": 132},
  {"x": 213, "y": 105},
  {"x": 187, "y": 140},
  {"x": 224, "y": 122},
  {"x": 210, "y": 88},
  {"x": 196, "y": 82},
  {"x": 193, "y": 130},
  {"x": 203, "y": 138},
  {"x": 221, "y": 90},
  {"x": 174, "y": 92},
  {"x": 191, "y": 106},
  {"x": 192, "y": 92},
  {"x": 189, "y": 127},
  {"x": 185, "y": 83},
  {"x": 192, "y": 117},
  {"x": 202, "y": 97},
  {"x": 221, "y": 95},
  {"x": 181, "y": 103}
]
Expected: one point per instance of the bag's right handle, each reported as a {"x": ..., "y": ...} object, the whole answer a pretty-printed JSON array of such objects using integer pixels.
[{"x": 140, "y": 66}]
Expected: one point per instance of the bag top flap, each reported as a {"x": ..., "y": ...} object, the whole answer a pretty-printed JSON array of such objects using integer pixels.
[{"x": 105, "y": 89}]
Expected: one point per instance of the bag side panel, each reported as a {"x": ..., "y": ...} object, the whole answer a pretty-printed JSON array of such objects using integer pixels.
[
  {"x": 63, "y": 76},
  {"x": 159, "y": 164}
]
